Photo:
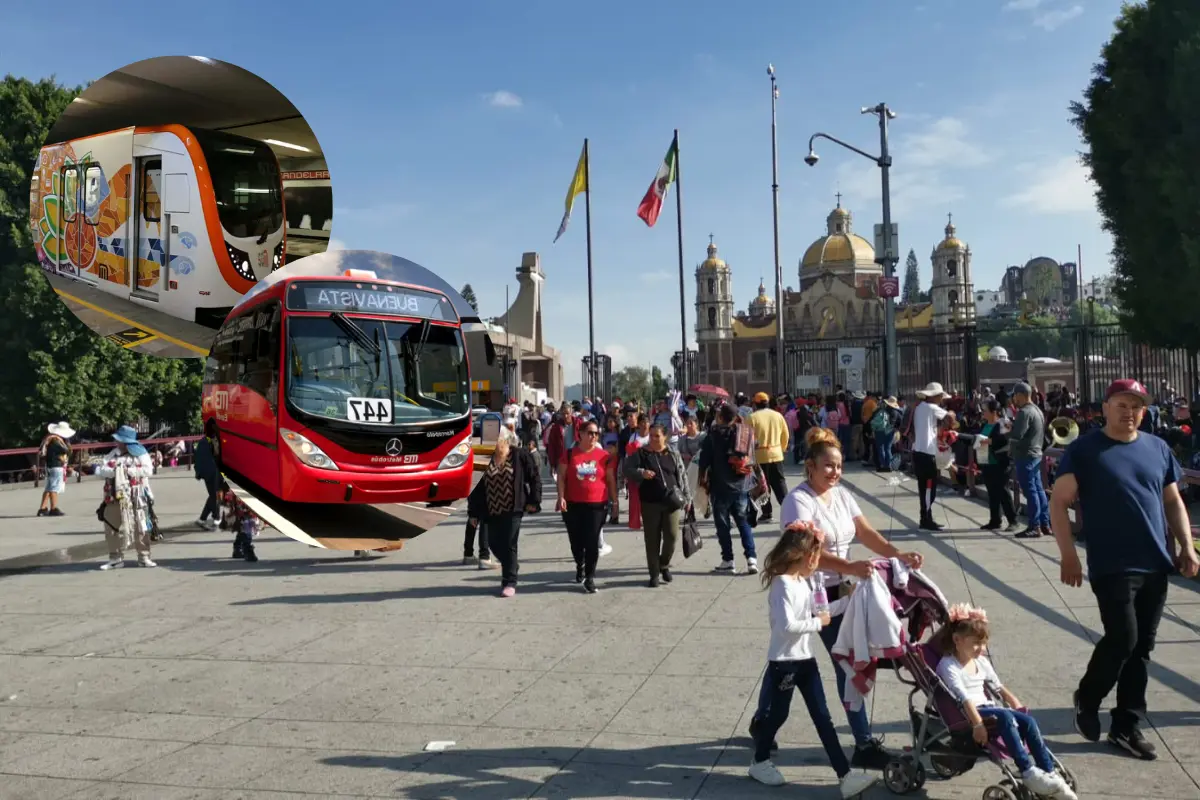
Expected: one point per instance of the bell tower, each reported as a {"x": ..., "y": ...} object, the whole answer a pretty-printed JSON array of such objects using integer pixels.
[
  {"x": 714, "y": 298},
  {"x": 952, "y": 292}
]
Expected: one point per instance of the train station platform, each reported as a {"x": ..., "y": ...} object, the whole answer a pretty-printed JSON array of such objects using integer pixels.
[
  {"x": 130, "y": 325},
  {"x": 311, "y": 675}
]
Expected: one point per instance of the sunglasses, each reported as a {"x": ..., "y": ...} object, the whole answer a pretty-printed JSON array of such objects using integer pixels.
[{"x": 590, "y": 431}]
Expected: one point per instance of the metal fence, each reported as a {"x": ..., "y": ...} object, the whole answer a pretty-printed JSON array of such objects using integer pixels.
[
  {"x": 1097, "y": 354},
  {"x": 603, "y": 387}
]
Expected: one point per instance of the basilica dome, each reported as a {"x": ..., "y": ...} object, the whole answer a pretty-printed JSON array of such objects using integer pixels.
[
  {"x": 713, "y": 263},
  {"x": 762, "y": 305},
  {"x": 840, "y": 247}
]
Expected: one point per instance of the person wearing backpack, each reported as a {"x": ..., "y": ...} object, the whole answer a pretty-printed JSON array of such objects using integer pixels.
[
  {"x": 725, "y": 464},
  {"x": 884, "y": 423}
]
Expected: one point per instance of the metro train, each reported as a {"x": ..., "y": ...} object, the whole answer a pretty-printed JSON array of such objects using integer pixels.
[{"x": 178, "y": 219}]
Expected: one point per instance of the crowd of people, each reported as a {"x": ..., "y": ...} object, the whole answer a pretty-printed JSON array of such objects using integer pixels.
[{"x": 682, "y": 460}]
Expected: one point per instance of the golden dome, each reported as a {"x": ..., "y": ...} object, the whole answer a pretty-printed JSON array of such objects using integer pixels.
[
  {"x": 712, "y": 263},
  {"x": 840, "y": 212},
  {"x": 952, "y": 244},
  {"x": 838, "y": 248}
]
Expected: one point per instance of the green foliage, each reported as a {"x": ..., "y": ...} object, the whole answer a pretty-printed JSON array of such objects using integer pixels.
[
  {"x": 1050, "y": 337},
  {"x": 658, "y": 385},
  {"x": 54, "y": 366},
  {"x": 912, "y": 278},
  {"x": 1141, "y": 124},
  {"x": 632, "y": 383},
  {"x": 468, "y": 294}
]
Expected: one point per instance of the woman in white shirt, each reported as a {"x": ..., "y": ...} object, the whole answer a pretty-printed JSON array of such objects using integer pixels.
[{"x": 833, "y": 509}]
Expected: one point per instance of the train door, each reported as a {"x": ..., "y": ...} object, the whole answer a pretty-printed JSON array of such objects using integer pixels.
[
  {"x": 79, "y": 211},
  {"x": 147, "y": 257}
]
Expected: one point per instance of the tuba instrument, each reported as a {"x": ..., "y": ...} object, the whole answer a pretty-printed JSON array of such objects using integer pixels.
[{"x": 1063, "y": 431}]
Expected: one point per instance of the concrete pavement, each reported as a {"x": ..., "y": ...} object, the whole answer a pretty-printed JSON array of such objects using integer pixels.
[{"x": 310, "y": 675}]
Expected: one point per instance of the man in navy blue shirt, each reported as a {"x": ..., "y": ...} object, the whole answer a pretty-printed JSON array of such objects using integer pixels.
[{"x": 1127, "y": 487}]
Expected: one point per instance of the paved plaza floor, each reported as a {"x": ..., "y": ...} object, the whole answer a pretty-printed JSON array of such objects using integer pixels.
[{"x": 314, "y": 675}]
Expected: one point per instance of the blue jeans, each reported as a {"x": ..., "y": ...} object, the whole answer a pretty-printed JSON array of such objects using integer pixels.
[
  {"x": 730, "y": 508},
  {"x": 860, "y": 725},
  {"x": 1018, "y": 729},
  {"x": 782, "y": 678},
  {"x": 883, "y": 449},
  {"x": 1029, "y": 476}
]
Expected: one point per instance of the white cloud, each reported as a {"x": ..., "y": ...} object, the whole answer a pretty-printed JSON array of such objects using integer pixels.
[
  {"x": 923, "y": 174},
  {"x": 1061, "y": 187},
  {"x": 1022, "y": 5},
  {"x": 659, "y": 276},
  {"x": 503, "y": 99},
  {"x": 1053, "y": 19}
]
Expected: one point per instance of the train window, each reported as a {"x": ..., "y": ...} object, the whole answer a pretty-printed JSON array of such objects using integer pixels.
[
  {"x": 70, "y": 193},
  {"x": 93, "y": 189},
  {"x": 151, "y": 202}
]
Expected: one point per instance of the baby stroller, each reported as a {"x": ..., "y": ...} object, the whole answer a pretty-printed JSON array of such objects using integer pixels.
[{"x": 940, "y": 729}]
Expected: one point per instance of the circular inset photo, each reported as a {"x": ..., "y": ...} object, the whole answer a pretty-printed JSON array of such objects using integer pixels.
[
  {"x": 166, "y": 191},
  {"x": 345, "y": 380}
]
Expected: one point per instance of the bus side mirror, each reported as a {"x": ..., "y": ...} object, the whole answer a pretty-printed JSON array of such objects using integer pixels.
[{"x": 489, "y": 350}]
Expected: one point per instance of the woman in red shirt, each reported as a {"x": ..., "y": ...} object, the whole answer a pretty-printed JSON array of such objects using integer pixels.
[{"x": 586, "y": 483}]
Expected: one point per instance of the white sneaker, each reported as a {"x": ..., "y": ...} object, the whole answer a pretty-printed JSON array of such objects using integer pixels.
[
  {"x": 765, "y": 772},
  {"x": 1042, "y": 783},
  {"x": 488, "y": 563},
  {"x": 115, "y": 563},
  {"x": 606, "y": 549},
  {"x": 854, "y": 784},
  {"x": 1065, "y": 792},
  {"x": 146, "y": 562},
  {"x": 724, "y": 566},
  {"x": 202, "y": 523},
  {"x": 752, "y": 566}
]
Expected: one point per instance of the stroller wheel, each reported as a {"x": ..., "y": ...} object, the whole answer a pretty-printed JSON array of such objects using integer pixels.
[
  {"x": 945, "y": 768},
  {"x": 902, "y": 776},
  {"x": 998, "y": 792}
]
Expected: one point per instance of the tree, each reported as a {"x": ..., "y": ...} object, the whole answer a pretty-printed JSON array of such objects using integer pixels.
[
  {"x": 912, "y": 278},
  {"x": 54, "y": 366},
  {"x": 658, "y": 385},
  {"x": 632, "y": 383},
  {"x": 1141, "y": 124},
  {"x": 468, "y": 294}
]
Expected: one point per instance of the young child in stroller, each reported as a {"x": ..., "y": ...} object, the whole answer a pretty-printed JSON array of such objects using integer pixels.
[{"x": 968, "y": 673}]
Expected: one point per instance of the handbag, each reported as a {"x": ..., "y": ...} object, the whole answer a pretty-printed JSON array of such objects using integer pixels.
[
  {"x": 672, "y": 498},
  {"x": 690, "y": 533}
]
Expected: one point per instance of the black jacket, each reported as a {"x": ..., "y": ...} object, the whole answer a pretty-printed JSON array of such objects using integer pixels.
[{"x": 527, "y": 489}]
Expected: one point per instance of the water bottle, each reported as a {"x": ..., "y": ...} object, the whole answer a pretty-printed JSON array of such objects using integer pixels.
[{"x": 820, "y": 600}]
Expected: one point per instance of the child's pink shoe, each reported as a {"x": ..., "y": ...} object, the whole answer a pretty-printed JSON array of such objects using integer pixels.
[{"x": 508, "y": 591}]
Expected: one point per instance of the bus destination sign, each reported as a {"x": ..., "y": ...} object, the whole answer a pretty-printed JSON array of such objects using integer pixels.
[{"x": 369, "y": 300}]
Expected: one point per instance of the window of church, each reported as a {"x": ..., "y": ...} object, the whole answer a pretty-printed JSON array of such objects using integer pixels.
[
  {"x": 712, "y": 286},
  {"x": 951, "y": 268},
  {"x": 712, "y": 318},
  {"x": 952, "y": 297},
  {"x": 758, "y": 366},
  {"x": 838, "y": 228}
]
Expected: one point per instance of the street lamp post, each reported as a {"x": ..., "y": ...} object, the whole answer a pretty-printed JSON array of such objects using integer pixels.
[
  {"x": 780, "y": 372},
  {"x": 888, "y": 259}
]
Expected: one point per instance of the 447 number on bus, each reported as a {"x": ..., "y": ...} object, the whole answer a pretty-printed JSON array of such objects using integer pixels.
[{"x": 369, "y": 409}]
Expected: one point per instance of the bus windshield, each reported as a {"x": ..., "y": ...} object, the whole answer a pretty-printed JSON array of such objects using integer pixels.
[
  {"x": 421, "y": 367},
  {"x": 246, "y": 184}
]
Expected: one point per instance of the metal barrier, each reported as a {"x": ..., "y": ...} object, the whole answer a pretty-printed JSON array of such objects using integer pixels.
[{"x": 76, "y": 462}]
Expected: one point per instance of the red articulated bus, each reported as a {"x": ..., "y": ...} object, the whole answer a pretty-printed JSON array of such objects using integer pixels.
[{"x": 348, "y": 386}]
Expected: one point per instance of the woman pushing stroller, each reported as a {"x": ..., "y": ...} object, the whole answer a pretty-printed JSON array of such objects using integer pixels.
[{"x": 969, "y": 676}]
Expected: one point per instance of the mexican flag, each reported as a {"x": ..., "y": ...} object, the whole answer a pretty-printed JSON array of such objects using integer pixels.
[{"x": 651, "y": 204}]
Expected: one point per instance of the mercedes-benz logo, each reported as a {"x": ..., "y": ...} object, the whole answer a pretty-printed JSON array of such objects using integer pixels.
[{"x": 393, "y": 447}]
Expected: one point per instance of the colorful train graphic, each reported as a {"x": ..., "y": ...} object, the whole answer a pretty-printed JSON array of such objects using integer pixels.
[{"x": 178, "y": 219}]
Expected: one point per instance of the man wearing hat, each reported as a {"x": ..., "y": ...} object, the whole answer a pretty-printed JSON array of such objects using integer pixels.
[
  {"x": 1127, "y": 486},
  {"x": 127, "y": 498},
  {"x": 926, "y": 417},
  {"x": 771, "y": 433},
  {"x": 56, "y": 452},
  {"x": 1025, "y": 449}
]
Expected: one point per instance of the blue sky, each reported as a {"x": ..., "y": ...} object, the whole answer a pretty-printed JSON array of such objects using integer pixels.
[{"x": 452, "y": 130}]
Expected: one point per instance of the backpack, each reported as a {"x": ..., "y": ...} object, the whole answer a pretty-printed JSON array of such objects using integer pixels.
[
  {"x": 879, "y": 421},
  {"x": 741, "y": 448}
]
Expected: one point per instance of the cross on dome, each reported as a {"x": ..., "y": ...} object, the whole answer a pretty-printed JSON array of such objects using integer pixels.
[{"x": 839, "y": 199}]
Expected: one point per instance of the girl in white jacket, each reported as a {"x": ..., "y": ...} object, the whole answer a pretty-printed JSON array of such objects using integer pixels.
[{"x": 795, "y": 622}]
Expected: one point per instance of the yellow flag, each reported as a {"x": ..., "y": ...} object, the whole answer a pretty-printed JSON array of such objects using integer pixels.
[{"x": 578, "y": 184}]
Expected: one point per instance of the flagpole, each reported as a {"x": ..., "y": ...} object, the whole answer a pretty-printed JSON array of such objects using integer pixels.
[
  {"x": 587, "y": 182},
  {"x": 683, "y": 353}
]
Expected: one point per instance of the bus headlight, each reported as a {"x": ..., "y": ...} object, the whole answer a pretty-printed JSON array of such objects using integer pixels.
[
  {"x": 456, "y": 457},
  {"x": 306, "y": 451}
]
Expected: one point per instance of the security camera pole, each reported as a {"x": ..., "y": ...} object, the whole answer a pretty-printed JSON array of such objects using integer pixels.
[
  {"x": 780, "y": 356},
  {"x": 888, "y": 258}
]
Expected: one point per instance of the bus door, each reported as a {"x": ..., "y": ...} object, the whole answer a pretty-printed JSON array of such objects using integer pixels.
[
  {"x": 78, "y": 213},
  {"x": 148, "y": 258}
]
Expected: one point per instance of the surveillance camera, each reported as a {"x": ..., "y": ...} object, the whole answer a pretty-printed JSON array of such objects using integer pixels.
[
  {"x": 770, "y": 69},
  {"x": 811, "y": 159}
]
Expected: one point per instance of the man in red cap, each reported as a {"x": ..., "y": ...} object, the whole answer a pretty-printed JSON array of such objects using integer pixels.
[{"x": 1127, "y": 487}]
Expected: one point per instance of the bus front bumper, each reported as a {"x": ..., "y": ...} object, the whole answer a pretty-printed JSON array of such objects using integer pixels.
[{"x": 309, "y": 485}]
